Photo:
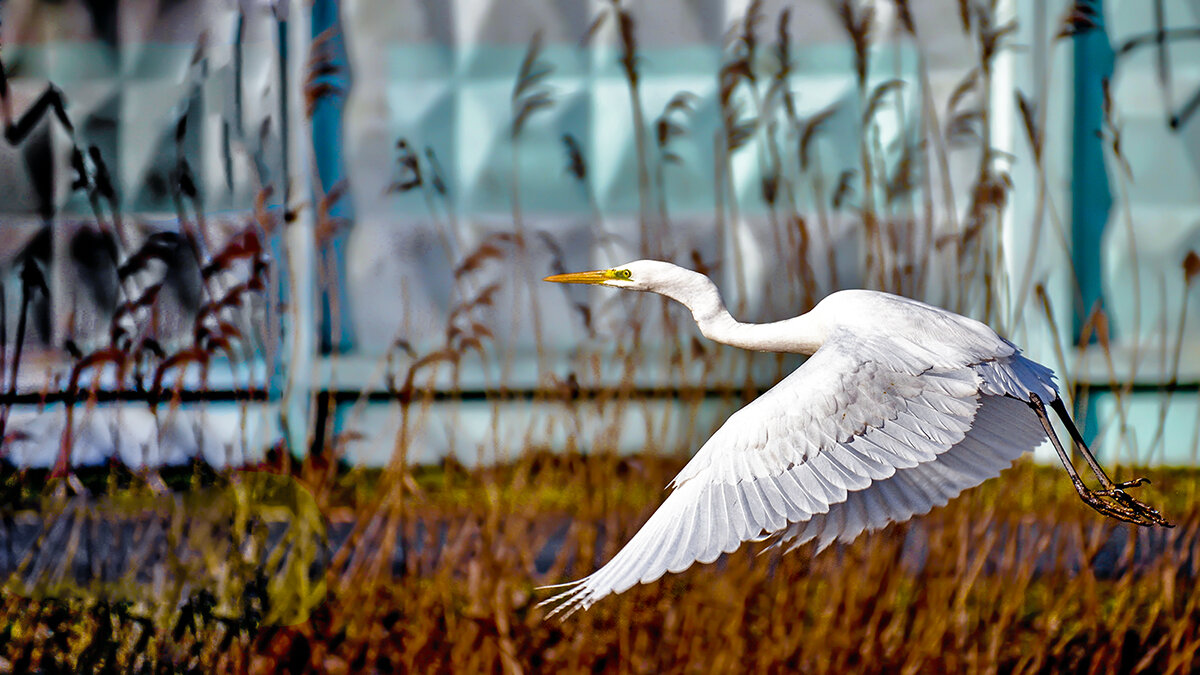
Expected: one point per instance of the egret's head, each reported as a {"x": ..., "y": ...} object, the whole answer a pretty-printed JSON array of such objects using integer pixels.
[
  {"x": 639, "y": 275},
  {"x": 696, "y": 291}
]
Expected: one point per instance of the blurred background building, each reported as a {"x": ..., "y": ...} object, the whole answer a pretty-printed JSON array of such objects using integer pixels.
[{"x": 324, "y": 225}]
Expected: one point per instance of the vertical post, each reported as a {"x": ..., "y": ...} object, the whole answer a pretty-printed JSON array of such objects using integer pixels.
[
  {"x": 299, "y": 227},
  {"x": 1091, "y": 198},
  {"x": 1002, "y": 113},
  {"x": 327, "y": 156}
]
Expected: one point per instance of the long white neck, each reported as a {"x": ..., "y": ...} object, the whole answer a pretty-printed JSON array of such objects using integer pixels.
[{"x": 800, "y": 335}]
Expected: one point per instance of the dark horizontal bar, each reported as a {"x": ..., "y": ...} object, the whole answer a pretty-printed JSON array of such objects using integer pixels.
[
  {"x": 342, "y": 396},
  {"x": 528, "y": 394},
  {"x": 108, "y": 396},
  {"x": 1139, "y": 388}
]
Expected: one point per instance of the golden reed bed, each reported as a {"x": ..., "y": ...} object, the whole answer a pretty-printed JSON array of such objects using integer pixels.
[{"x": 1016, "y": 576}]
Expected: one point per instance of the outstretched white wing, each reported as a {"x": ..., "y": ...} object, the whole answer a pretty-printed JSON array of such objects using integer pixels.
[{"x": 851, "y": 441}]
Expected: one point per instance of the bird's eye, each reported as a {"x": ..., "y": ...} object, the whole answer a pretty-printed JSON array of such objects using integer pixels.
[{"x": 623, "y": 274}]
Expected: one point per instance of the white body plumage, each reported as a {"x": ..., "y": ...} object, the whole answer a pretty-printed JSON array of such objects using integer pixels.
[{"x": 901, "y": 407}]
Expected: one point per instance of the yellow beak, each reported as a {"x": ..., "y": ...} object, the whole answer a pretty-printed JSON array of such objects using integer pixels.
[{"x": 594, "y": 277}]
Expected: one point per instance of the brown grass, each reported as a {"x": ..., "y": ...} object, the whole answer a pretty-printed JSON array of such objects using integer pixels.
[{"x": 1016, "y": 576}]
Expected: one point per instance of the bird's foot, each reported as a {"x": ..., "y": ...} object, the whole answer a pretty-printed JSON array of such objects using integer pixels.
[{"x": 1114, "y": 502}]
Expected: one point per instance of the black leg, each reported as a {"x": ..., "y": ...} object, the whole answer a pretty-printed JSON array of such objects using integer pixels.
[
  {"x": 1106, "y": 482},
  {"x": 1110, "y": 500},
  {"x": 1082, "y": 447},
  {"x": 1088, "y": 497},
  {"x": 1115, "y": 491},
  {"x": 1039, "y": 408}
]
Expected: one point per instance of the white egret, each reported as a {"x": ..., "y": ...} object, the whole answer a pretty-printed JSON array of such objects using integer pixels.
[{"x": 900, "y": 407}]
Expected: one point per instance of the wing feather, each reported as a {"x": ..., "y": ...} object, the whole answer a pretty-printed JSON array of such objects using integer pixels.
[
  {"x": 833, "y": 492},
  {"x": 759, "y": 525},
  {"x": 795, "y": 492},
  {"x": 835, "y": 520},
  {"x": 860, "y": 464},
  {"x": 776, "y": 515},
  {"x": 704, "y": 524},
  {"x": 773, "y": 492},
  {"x": 898, "y": 460},
  {"x": 676, "y": 532},
  {"x": 754, "y": 502},
  {"x": 841, "y": 446},
  {"x": 917, "y": 490},
  {"x": 684, "y": 556}
]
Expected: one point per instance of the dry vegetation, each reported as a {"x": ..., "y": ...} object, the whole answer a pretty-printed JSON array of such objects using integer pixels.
[{"x": 1016, "y": 576}]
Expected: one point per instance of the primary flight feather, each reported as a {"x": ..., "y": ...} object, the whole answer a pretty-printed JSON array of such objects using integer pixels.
[{"x": 900, "y": 407}]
